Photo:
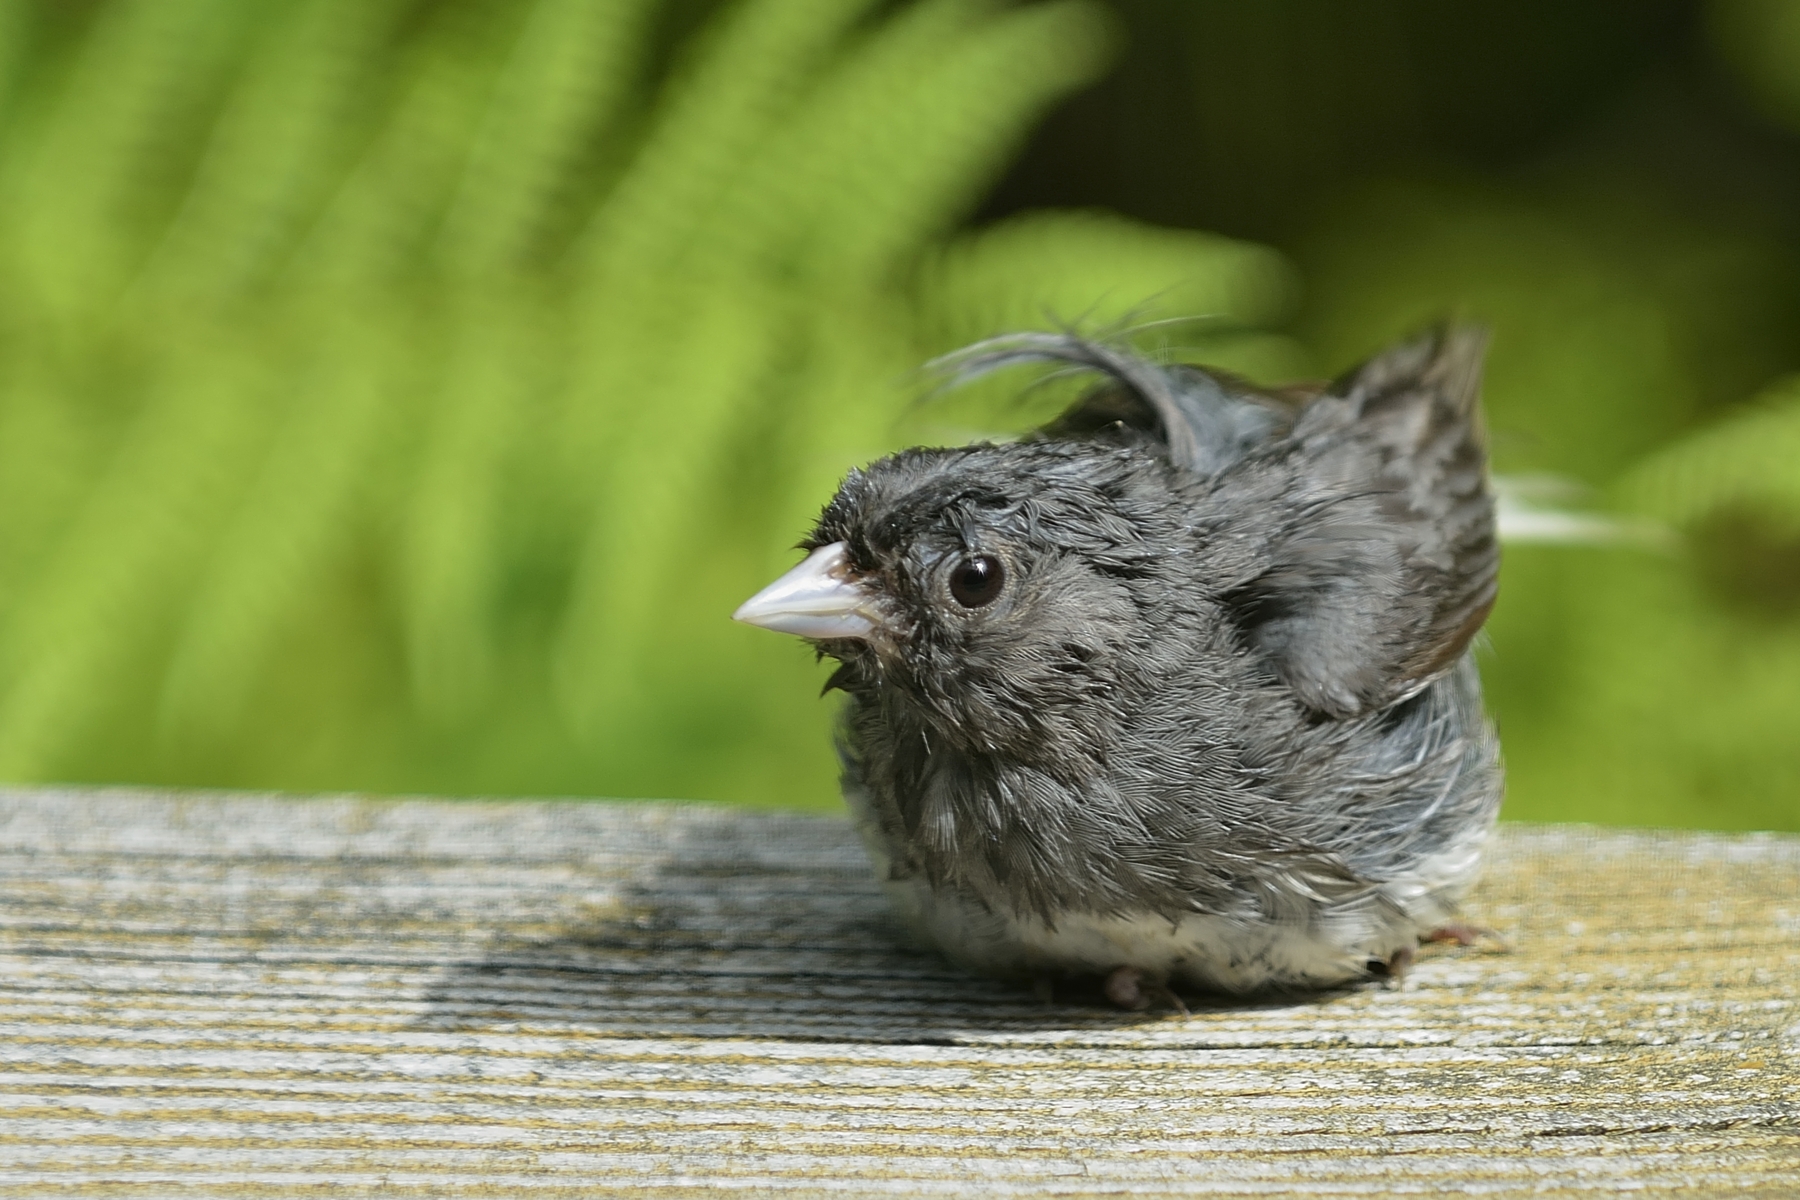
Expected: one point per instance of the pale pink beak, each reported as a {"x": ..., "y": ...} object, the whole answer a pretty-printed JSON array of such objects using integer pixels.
[{"x": 817, "y": 599}]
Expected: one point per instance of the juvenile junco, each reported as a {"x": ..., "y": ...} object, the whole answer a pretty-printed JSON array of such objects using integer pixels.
[{"x": 1177, "y": 690}]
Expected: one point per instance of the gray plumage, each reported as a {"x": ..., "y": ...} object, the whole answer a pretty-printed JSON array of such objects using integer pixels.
[{"x": 1180, "y": 684}]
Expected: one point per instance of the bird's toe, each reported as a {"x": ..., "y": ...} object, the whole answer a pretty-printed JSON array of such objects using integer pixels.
[
  {"x": 1128, "y": 988},
  {"x": 1462, "y": 933},
  {"x": 1394, "y": 967}
]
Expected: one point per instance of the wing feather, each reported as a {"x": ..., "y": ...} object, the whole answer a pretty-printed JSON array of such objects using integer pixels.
[{"x": 1385, "y": 562}]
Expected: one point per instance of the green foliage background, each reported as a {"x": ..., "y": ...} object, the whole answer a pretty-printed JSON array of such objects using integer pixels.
[{"x": 398, "y": 394}]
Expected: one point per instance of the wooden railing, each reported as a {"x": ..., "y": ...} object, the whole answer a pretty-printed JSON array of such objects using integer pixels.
[{"x": 221, "y": 995}]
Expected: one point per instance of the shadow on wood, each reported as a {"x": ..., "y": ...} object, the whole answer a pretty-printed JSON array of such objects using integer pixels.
[
  {"x": 230, "y": 995},
  {"x": 770, "y": 953}
]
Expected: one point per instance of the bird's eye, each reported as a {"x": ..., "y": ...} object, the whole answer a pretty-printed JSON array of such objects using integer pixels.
[{"x": 976, "y": 581}]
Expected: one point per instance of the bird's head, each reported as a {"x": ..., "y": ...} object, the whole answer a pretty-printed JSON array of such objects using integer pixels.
[
  {"x": 991, "y": 589},
  {"x": 1341, "y": 539}
]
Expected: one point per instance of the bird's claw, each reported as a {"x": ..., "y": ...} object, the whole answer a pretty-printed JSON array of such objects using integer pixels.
[
  {"x": 1394, "y": 967},
  {"x": 1130, "y": 988},
  {"x": 1463, "y": 934}
]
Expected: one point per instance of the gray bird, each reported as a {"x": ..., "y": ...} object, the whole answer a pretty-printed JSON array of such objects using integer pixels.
[{"x": 1176, "y": 691}]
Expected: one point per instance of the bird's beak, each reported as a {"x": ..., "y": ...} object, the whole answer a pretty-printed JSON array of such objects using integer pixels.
[{"x": 817, "y": 599}]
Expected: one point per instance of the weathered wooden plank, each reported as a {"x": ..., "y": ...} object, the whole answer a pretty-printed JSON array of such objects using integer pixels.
[{"x": 243, "y": 996}]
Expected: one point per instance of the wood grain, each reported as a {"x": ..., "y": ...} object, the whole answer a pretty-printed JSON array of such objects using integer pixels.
[{"x": 218, "y": 995}]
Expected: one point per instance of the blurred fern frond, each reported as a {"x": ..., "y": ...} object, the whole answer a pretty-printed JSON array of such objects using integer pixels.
[
  {"x": 399, "y": 395},
  {"x": 1750, "y": 461}
]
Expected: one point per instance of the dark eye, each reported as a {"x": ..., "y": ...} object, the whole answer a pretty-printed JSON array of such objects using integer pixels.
[{"x": 976, "y": 581}]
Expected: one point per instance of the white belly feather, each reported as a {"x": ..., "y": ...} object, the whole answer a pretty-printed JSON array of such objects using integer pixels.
[{"x": 1221, "y": 953}]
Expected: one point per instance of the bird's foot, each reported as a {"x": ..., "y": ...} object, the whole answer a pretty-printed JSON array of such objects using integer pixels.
[
  {"x": 1130, "y": 988},
  {"x": 1127, "y": 988},
  {"x": 1463, "y": 934},
  {"x": 1394, "y": 967}
]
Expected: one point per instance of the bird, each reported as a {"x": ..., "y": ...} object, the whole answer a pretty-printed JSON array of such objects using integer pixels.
[{"x": 1176, "y": 692}]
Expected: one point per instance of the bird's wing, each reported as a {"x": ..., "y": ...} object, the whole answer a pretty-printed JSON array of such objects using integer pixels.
[{"x": 1378, "y": 559}]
